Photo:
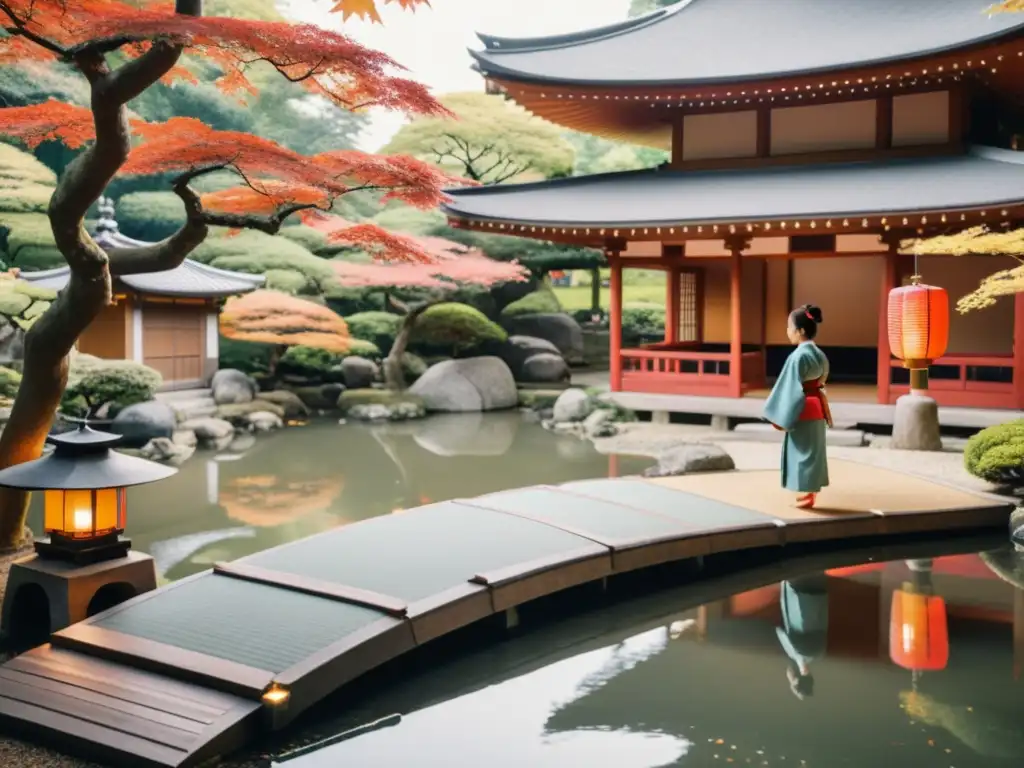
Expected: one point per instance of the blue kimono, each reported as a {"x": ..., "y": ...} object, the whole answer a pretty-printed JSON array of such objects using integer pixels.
[{"x": 804, "y": 463}]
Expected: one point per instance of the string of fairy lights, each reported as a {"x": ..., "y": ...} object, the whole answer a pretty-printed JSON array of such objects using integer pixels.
[{"x": 849, "y": 224}]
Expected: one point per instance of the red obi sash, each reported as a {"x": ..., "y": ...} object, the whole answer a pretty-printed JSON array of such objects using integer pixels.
[{"x": 815, "y": 403}]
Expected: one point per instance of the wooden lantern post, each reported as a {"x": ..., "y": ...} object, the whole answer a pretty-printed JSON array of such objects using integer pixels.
[{"x": 918, "y": 320}]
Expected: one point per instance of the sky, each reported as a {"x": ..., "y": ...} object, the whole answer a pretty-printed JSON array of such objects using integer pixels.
[{"x": 432, "y": 42}]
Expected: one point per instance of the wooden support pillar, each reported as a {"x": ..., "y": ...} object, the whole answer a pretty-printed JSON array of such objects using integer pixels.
[
  {"x": 1018, "y": 349},
  {"x": 615, "y": 321},
  {"x": 889, "y": 278},
  {"x": 764, "y": 322},
  {"x": 676, "y": 158},
  {"x": 736, "y": 247},
  {"x": 672, "y": 290}
]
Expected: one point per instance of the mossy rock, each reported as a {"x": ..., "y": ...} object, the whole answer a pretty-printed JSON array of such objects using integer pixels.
[
  {"x": 289, "y": 402},
  {"x": 541, "y": 302},
  {"x": 996, "y": 454},
  {"x": 538, "y": 399},
  {"x": 380, "y": 328},
  {"x": 12, "y": 304},
  {"x": 9, "y": 382},
  {"x": 353, "y": 397},
  {"x": 236, "y": 413}
]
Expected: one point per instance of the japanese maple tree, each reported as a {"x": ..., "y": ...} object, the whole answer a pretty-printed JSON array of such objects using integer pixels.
[
  {"x": 454, "y": 265},
  {"x": 123, "y": 47}
]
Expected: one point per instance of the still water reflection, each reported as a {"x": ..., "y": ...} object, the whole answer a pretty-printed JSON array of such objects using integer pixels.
[
  {"x": 911, "y": 663},
  {"x": 304, "y": 480}
]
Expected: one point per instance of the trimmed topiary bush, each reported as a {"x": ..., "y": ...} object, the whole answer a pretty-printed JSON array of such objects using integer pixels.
[
  {"x": 541, "y": 302},
  {"x": 248, "y": 357},
  {"x": 363, "y": 348},
  {"x": 9, "y": 382},
  {"x": 456, "y": 327},
  {"x": 381, "y": 328},
  {"x": 22, "y": 303},
  {"x": 308, "y": 361},
  {"x": 311, "y": 239},
  {"x": 27, "y": 242},
  {"x": 93, "y": 383},
  {"x": 150, "y": 216},
  {"x": 996, "y": 454}
]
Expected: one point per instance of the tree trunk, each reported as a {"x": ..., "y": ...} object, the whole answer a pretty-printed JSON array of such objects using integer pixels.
[
  {"x": 394, "y": 377},
  {"x": 595, "y": 290},
  {"x": 49, "y": 341}
]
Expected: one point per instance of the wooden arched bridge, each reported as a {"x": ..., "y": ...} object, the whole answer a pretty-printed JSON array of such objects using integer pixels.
[{"x": 205, "y": 665}]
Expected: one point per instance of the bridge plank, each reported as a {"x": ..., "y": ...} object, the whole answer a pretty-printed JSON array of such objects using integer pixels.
[{"x": 86, "y": 738}]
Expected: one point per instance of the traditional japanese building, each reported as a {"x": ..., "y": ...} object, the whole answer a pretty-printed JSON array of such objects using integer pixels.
[
  {"x": 807, "y": 139},
  {"x": 167, "y": 320}
]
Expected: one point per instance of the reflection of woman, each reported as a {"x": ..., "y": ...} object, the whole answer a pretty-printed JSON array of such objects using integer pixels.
[
  {"x": 797, "y": 405},
  {"x": 805, "y": 628}
]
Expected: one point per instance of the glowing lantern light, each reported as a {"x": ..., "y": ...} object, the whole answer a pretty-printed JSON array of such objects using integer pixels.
[
  {"x": 918, "y": 632},
  {"x": 918, "y": 327},
  {"x": 84, "y": 493}
]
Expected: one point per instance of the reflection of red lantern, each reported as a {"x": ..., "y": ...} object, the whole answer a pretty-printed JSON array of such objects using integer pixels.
[
  {"x": 918, "y": 327},
  {"x": 918, "y": 633}
]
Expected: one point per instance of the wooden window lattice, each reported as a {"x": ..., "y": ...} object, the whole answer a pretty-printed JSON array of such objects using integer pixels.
[{"x": 688, "y": 306}]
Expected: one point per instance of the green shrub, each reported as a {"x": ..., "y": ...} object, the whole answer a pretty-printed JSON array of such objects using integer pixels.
[
  {"x": 643, "y": 320},
  {"x": 308, "y": 361},
  {"x": 248, "y": 357},
  {"x": 288, "y": 281},
  {"x": 27, "y": 240},
  {"x": 150, "y": 216},
  {"x": 542, "y": 301},
  {"x": 353, "y": 397},
  {"x": 311, "y": 239},
  {"x": 18, "y": 168},
  {"x": 363, "y": 348},
  {"x": 454, "y": 326},
  {"x": 29, "y": 198},
  {"x": 9, "y": 382},
  {"x": 379, "y": 327},
  {"x": 96, "y": 382},
  {"x": 996, "y": 454},
  {"x": 413, "y": 366}
]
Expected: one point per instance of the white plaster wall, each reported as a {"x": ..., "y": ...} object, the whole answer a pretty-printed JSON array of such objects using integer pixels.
[
  {"x": 823, "y": 127},
  {"x": 720, "y": 135},
  {"x": 920, "y": 118}
]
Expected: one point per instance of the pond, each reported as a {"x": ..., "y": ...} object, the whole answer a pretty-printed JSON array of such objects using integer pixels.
[
  {"x": 911, "y": 662},
  {"x": 276, "y": 488}
]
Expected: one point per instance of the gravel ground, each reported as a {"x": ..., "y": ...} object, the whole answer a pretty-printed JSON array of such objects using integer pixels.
[{"x": 644, "y": 439}]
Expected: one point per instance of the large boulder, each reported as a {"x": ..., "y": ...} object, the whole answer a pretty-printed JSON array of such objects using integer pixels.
[
  {"x": 322, "y": 397},
  {"x": 689, "y": 458},
  {"x": 230, "y": 386},
  {"x": 518, "y": 349},
  {"x": 572, "y": 405},
  {"x": 211, "y": 432},
  {"x": 238, "y": 413},
  {"x": 358, "y": 372},
  {"x": 466, "y": 434},
  {"x": 138, "y": 424},
  {"x": 473, "y": 384},
  {"x": 558, "y": 328},
  {"x": 544, "y": 368},
  {"x": 167, "y": 451},
  {"x": 264, "y": 421},
  {"x": 289, "y": 402}
]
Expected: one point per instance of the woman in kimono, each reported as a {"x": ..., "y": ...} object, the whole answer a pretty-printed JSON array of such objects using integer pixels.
[
  {"x": 797, "y": 405},
  {"x": 804, "y": 633}
]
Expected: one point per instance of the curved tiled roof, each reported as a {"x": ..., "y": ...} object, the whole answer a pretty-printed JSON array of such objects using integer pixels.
[
  {"x": 718, "y": 41},
  {"x": 189, "y": 280},
  {"x": 659, "y": 196}
]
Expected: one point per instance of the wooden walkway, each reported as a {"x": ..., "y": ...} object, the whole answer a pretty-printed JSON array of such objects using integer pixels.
[{"x": 178, "y": 675}]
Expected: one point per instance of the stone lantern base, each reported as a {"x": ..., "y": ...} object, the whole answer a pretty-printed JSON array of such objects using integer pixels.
[
  {"x": 45, "y": 595},
  {"x": 915, "y": 424}
]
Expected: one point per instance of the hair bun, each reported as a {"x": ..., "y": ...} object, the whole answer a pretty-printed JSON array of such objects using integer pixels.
[{"x": 814, "y": 312}]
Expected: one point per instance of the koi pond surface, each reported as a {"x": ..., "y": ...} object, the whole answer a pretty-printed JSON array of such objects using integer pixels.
[
  {"x": 904, "y": 662},
  {"x": 279, "y": 487}
]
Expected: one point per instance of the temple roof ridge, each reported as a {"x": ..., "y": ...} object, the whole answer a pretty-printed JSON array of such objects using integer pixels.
[
  {"x": 707, "y": 42},
  {"x": 566, "y": 39}
]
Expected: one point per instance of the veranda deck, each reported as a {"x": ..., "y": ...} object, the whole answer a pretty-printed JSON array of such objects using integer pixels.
[{"x": 178, "y": 675}]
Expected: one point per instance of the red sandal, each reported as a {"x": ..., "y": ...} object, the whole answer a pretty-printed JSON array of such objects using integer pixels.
[{"x": 806, "y": 501}]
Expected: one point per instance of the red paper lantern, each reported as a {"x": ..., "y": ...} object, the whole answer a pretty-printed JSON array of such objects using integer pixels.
[
  {"x": 918, "y": 323},
  {"x": 918, "y": 633}
]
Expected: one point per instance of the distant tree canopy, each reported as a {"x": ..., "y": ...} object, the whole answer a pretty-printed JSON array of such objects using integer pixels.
[
  {"x": 597, "y": 155},
  {"x": 493, "y": 140}
]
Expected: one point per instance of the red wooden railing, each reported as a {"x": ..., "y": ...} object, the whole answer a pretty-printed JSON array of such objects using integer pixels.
[
  {"x": 671, "y": 370},
  {"x": 964, "y": 390}
]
